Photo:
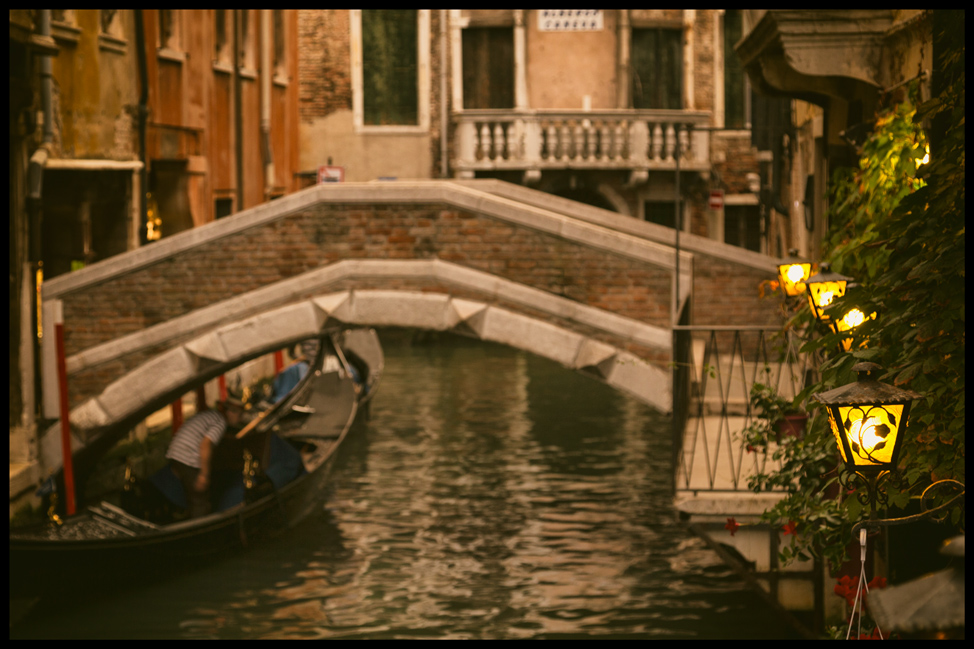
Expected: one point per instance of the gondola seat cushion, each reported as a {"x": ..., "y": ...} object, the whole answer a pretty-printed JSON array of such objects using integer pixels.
[{"x": 169, "y": 485}]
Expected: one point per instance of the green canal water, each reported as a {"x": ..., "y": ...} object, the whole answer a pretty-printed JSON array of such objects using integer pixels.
[{"x": 490, "y": 494}]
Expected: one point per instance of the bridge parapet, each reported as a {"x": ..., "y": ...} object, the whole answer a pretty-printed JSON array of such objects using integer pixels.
[{"x": 592, "y": 273}]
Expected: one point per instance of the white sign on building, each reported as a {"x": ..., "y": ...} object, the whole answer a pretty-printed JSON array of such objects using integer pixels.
[{"x": 569, "y": 20}]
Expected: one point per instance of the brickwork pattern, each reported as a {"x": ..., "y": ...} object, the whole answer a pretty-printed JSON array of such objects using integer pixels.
[
  {"x": 737, "y": 158},
  {"x": 725, "y": 293},
  {"x": 324, "y": 62}
]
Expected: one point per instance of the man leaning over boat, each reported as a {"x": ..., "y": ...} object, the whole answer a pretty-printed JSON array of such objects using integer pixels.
[{"x": 191, "y": 451}]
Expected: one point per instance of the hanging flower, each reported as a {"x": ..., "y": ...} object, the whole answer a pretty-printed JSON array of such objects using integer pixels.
[
  {"x": 732, "y": 526},
  {"x": 790, "y": 528},
  {"x": 847, "y": 587}
]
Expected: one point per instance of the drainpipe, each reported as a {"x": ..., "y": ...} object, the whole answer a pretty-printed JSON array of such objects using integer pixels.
[
  {"x": 266, "y": 76},
  {"x": 143, "y": 118},
  {"x": 35, "y": 183},
  {"x": 35, "y": 173},
  {"x": 237, "y": 112},
  {"x": 444, "y": 100}
]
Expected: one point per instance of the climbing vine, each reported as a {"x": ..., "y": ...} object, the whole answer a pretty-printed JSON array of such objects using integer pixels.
[{"x": 896, "y": 225}]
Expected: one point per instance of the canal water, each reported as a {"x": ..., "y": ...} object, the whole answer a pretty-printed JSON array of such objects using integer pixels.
[{"x": 490, "y": 494}]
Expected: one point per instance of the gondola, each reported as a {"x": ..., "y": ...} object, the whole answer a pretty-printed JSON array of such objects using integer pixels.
[{"x": 267, "y": 481}]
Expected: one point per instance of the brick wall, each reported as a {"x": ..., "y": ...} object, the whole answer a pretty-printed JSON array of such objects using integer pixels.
[
  {"x": 734, "y": 158},
  {"x": 725, "y": 293},
  {"x": 324, "y": 66}
]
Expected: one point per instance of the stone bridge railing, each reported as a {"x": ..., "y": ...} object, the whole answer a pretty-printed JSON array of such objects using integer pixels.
[{"x": 591, "y": 273}]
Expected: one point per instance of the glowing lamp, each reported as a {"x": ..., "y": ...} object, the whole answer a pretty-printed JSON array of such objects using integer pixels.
[
  {"x": 868, "y": 419},
  {"x": 792, "y": 274},
  {"x": 852, "y": 319},
  {"x": 823, "y": 287}
]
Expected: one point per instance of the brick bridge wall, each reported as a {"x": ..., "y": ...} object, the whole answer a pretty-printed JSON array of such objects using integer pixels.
[{"x": 319, "y": 234}]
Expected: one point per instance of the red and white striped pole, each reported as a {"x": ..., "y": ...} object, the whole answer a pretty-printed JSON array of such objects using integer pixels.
[{"x": 62, "y": 375}]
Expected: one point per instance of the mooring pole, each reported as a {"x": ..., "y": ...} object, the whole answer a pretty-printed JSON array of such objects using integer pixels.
[
  {"x": 677, "y": 222},
  {"x": 62, "y": 375},
  {"x": 176, "y": 414}
]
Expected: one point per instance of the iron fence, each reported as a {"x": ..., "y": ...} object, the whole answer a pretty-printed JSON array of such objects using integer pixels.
[{"x": 714, "y": 370}]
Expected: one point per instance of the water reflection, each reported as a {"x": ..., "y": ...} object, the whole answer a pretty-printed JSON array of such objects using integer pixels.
[{"x": 492, "y": 494}]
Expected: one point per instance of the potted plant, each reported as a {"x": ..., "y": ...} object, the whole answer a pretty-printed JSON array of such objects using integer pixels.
[{"x": 773, "y": 415}]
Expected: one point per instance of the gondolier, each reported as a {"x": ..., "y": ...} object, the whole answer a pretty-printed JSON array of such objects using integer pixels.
[{"x": 191, "y": 450}]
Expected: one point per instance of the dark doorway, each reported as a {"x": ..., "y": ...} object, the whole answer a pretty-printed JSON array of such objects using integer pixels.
[
  {"x": 85, "y": 218},
  {"x": 488, "y": 67},
  {"x": 587, "y": 196},
  {"x": 169, "y": 186}
]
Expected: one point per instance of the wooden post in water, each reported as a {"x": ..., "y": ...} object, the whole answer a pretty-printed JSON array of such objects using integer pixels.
[
  {"x": 201, "y": 398},
  {"x": 177, "y": 414},
  {"x": 62, "y": 375}
]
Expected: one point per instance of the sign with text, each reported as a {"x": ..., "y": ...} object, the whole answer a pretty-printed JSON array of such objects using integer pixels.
[
  {"x": 569, "y": 20},
  {"x": 330, "y": 174}
]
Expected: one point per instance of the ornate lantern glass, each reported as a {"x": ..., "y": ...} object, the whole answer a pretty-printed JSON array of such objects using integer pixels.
[
  {"x": 868, "y": 419},
  {"x": 852, "y": 319},
  {"x": 823, "y": 287},
  {"x": 792, "y": 274}
]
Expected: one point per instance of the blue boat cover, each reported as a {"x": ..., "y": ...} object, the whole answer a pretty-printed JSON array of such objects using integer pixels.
[
  {"x": 288, "y": 379},
  {"x": 284, "y": 466}
]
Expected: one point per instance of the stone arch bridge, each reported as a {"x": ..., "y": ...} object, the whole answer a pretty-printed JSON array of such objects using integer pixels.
[{"x": 593, "y": 290}]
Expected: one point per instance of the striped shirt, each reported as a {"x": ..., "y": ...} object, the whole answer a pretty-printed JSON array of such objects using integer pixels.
[{"x": 185, "y": 445}]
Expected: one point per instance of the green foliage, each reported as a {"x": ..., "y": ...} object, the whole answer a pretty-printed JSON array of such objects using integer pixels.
[{"x": 898, "y": 229}]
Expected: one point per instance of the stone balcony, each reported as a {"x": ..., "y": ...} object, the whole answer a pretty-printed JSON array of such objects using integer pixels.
[{"x": 535, "y": 140}]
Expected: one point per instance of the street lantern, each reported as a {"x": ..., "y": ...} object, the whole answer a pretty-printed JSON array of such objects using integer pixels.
[
  {"x": 823, "y": 287},
  {"x": 868, "y": 419},
  {"x": 793, "y": 272},
  {"x": 852, "y": 319}
]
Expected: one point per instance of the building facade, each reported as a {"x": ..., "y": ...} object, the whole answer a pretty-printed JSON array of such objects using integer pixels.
[
  {"x": 593, "y": 105},
  {"x": 127, "y": 126},
  {"x": 836, "y": 68}
]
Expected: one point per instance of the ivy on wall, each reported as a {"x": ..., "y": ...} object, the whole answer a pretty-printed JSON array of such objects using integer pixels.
[{"x": 897, "y": 227}]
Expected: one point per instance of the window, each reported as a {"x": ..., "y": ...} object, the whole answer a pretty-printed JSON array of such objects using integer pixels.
[
  {"x": 735, "y": 84},
  {"x": 221, "y": 53},
  {"x": 742, "y": 226},
  {"x": 111, "y": 36},
  {"x": 109, "y": 23},
  {"x": 488, "y": 67},
  {"x": 389, "y": 66},
  {"x": 657, "y": 68},
  {"x": 246, "y": 57},
  {"x": 390, "y": 69},
  {"x": 168, "y": 29},
  {"x": 222, "y": 207},
  {"x": 660, "y": 212},
  {"x": 279, "y": 51}
]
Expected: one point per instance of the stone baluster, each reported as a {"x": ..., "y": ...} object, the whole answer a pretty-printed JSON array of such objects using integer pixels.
[
  {"x": 579, "y": 141},
  {"x": 605, "y": 140},
  {"x": 670, "y": 142},
  {"x": 657, "y": 142},
  {"x": 552, "y": 147},
  {"x": 619, "y": 141},
  {"x": 590, "y": 135},
  {"x": 485, "y": 143},
  {"x": 565, "y": 141},
  {"x": 685, "y": 152},
  {"x": 499, "y": 142}
]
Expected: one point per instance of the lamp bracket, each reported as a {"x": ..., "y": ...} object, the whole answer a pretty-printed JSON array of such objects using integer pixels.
[{"x": 926, "y": 513}]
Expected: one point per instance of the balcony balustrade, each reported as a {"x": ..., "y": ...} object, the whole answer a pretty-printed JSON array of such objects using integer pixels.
[{"x": 609, "y": 139}]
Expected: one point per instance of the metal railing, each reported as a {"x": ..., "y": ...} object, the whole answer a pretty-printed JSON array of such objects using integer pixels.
[
  {"x": 714, "y": 370},
  {"x": 605, "y": 139}
]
